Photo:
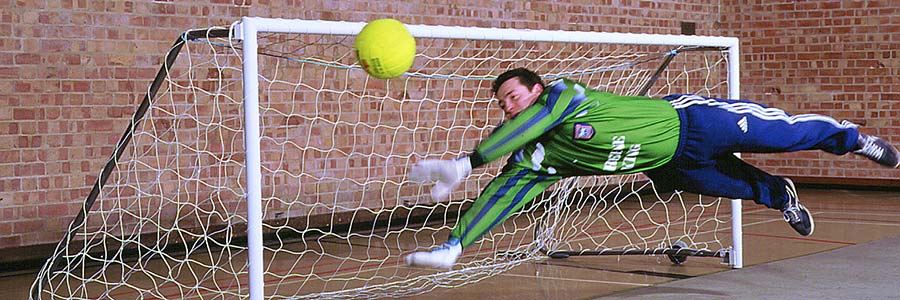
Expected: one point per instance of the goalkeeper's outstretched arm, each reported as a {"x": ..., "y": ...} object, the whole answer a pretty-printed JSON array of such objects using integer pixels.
[
  {"x": 447, "y": 174},
  {"x": 548, "y": 109}
]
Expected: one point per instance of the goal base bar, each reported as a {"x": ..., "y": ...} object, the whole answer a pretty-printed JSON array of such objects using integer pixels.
[{"x": 682, "y": 253}]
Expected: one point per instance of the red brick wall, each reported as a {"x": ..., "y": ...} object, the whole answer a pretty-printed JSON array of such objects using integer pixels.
[
  {"x": 72, "y": 73},
  {"x": 838, "y": 58}
]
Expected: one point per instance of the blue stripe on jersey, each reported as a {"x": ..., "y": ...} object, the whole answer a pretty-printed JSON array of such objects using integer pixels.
[
  {"x": 555, "y": 91},
  {"x": 518, "y": 198},
  {"x": 490, "y": 204},
  {"x": 576, "y": 100},
  {"x": 552, "y": 97},
  {"x": 534, "y": 120}
]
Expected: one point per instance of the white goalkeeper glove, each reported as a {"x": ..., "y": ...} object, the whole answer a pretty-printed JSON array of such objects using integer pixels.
[{"x": 446, "y": 174}]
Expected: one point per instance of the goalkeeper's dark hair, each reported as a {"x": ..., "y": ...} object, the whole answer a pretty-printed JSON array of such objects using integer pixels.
[{"x": 526, "y": 77}]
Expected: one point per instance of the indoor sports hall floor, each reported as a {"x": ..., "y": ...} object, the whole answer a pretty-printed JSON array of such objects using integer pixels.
[{"x": 851, "y": 255}]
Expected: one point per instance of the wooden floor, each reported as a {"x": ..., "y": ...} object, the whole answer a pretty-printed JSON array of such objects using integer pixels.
[{"x": 842, "y": 217}]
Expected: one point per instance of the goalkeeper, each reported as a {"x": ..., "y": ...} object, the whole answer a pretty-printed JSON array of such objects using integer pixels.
[{"x": 683, "y": 142}]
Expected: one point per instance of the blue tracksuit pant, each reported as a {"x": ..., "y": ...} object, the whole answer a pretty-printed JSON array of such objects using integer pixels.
[{"x": 713, "y": 129}]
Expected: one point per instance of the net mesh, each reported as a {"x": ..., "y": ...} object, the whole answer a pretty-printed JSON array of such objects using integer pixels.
[{"x": 338, "y": 210}]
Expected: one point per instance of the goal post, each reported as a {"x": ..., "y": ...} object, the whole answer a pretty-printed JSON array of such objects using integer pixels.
[
  {"x": 263, "y": 162},
  {"x": 729, "y": 44}
]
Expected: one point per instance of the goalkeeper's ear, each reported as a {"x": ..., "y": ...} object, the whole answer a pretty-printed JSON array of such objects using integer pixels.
[{"x": 537, "y": 88}]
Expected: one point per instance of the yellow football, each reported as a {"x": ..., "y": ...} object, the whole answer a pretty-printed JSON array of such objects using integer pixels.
[{"x": 385, "y": 48}]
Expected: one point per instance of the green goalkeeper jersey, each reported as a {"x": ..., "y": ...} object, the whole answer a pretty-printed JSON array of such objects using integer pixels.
[{"x": 571, "y": 130}]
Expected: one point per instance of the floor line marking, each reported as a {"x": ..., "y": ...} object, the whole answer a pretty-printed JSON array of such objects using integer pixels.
[
  {"x": 830, "y": 220},
  {"x": 858, "y": 223},
  {"x": 800, "y": 238},
  {"x": 576, "y": 279},
  {"x": 858, "y": 213}
]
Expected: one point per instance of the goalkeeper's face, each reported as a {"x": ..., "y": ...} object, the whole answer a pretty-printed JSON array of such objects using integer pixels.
[{"x": 514, "y": 97}]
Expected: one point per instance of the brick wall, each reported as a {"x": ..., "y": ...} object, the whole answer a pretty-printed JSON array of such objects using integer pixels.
[
  {"x": 838, "y": 58},
  {"x": 72, "y": 73}
]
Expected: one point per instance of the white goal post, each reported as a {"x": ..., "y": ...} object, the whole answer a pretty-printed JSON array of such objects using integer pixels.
[
  {"x": 248, "y": 28},
  {"x": 321, "y": 148}
]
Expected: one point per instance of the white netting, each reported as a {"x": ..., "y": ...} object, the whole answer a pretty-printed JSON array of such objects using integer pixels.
[{"x": 336, "y": 144}]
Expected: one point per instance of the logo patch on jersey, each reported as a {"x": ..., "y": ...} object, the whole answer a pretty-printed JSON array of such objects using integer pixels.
[{"x": 583, "y": 131}]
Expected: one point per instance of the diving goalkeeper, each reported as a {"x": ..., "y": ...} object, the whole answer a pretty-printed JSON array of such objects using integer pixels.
[{"x": 683, "y": 142}]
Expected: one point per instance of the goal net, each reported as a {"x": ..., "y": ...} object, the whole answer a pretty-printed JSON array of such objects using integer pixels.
[{"x": 271, "y": 127}]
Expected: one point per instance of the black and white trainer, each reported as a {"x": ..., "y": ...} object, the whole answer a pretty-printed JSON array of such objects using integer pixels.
[
  {"x": 795, "y": 213},
  {"x": 878, "y": 150}
]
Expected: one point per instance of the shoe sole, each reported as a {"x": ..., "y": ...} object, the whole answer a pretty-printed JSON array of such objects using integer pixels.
[
  {"x": 896, "y": 153},
  {"x": 893, "y": 150},
  {"x": 792, "y": 191},
  {"x": 812, "y": 224}
]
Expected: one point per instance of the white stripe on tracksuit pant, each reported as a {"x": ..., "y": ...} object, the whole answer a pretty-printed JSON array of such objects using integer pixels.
[{"x": 713, "y": 129}]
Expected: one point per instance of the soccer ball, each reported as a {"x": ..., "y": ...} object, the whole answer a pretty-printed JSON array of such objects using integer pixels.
[{"x": 385, "y": 48}]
